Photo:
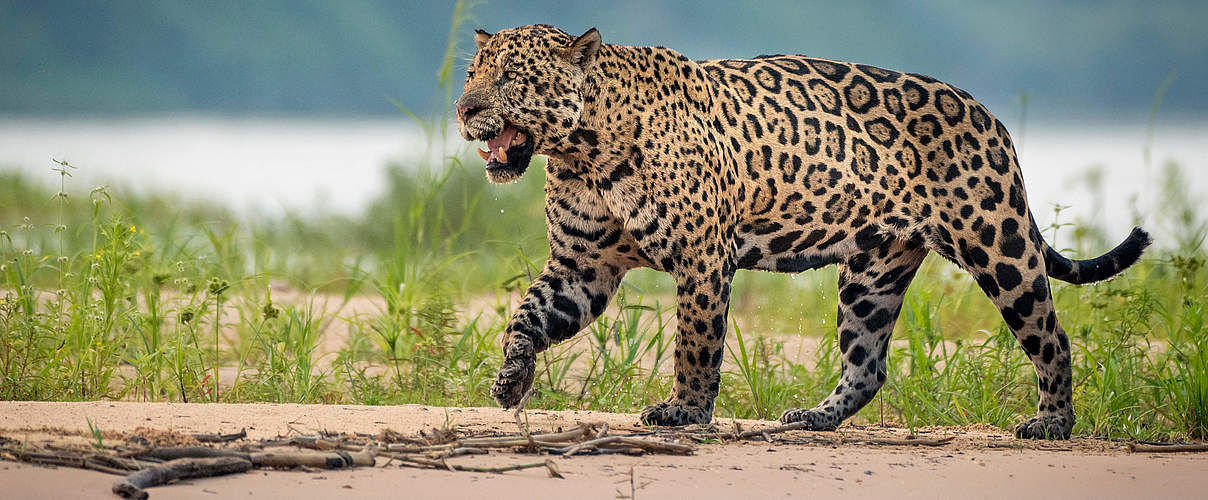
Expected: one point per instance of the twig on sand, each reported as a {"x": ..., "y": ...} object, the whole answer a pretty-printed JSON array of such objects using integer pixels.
[
  {"x": 425, "y": 463},
  {"x": 313, "y": 443},
  {"x": 221, "y": 438},
  {"x": 1168, "y": 448},
  {"x": 135, "y": 485},
  {"x": 906, "y": 442},
  {"x": 1021, "y": 445},
  {"x": 520, "y": 408},
  {"x": 625, "y": 442},
  {"x": 555, "y": 440},
  {"x": 766, "y": 434}
]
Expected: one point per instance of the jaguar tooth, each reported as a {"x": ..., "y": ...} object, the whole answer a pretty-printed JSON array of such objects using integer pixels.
[
  {"x": 503, "y": 155},
  {"x": 485, "y": 155},
  {"x": 519, "y": 138}
]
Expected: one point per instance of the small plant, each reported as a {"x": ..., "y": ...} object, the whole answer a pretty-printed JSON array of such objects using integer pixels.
[
  {"x": 94, "y": 432},
  {"x": 762, "y": 374},
  {"x": 216, "y": 288}
]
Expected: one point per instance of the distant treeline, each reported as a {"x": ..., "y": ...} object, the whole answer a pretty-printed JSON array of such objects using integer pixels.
[{"x": 356, "y": 57}]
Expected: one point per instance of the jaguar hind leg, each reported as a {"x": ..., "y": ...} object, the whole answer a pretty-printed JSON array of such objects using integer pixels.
[
  {"x": 1021, "y": 292},
  {"x": 871, "y": 287}
]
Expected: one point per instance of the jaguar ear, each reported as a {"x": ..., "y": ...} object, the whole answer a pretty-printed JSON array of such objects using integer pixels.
[
  {"x": 481, "y": 38},
  {"x": 583, "y": 50}
]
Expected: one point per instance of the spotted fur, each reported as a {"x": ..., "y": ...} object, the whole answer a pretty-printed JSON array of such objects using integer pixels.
[{"x": 778, "y": 163}]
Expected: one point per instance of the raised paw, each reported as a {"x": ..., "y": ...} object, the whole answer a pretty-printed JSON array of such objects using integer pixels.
[
  {"x": 516, "y": 375},
  {"x": 674, "y": 414},
  {"x": 814, "y": 420},
  {"x": 1045, "y": 427}
]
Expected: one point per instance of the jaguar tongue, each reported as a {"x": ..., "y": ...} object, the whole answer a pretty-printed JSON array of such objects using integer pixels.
[{"x": 500, "y": 143}]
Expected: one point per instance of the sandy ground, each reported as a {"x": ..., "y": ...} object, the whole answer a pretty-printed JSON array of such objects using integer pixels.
[{"x": 979, "y": 463}]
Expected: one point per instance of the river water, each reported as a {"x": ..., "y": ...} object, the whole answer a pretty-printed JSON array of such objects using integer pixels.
[{"x": 271, "y": 165}]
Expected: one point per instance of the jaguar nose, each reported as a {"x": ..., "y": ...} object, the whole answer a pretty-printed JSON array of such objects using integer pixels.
[{"x": 467, "y": 110}]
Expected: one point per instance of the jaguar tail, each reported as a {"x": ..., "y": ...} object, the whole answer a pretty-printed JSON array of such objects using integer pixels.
[{"x": 1099, "y": 268}]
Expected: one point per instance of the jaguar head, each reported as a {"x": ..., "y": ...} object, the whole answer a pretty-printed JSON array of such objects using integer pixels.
[{"x": 523, "y": 94}]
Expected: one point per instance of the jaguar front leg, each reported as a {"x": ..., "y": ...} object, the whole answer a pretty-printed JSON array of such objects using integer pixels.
[
  {"x": 565, "y": 297},
  {"x": 703, "y": 300}
]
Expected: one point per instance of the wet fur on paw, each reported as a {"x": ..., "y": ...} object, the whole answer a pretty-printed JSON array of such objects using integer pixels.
[{"x": 516, "y": 375}]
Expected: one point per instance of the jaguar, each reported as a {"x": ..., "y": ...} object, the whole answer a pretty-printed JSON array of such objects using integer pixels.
[{"x": 779, "y": 163}]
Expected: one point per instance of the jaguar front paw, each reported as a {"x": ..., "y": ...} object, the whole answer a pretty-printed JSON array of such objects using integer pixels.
[{"x": 516, "y": 375}]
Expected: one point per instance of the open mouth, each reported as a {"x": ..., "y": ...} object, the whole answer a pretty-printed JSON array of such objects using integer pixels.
[{"x": 507, "y": 154}]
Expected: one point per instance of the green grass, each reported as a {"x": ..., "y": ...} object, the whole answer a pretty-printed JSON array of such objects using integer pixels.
[
  {"x": 114, "y": 297},
  {"x": 107, "y": 294}
]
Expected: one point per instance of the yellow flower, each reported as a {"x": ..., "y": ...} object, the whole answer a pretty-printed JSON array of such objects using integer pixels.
[
  {"x": 137, "y": 253},
  {"x": 133, "y": 229}
]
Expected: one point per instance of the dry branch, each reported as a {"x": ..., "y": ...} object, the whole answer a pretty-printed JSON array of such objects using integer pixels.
[
  {"x": 134, "y": 485},
  {"x": 457, "y": 452},
  {"x": 314, "y": 443},
  {"x": 338, "y": 459},
  {"x": 1168, "y": 448},
  {"x": 79, "y": 461},
  {"x": 175, "y": 452},
  {"x": 552, "y": 440},
  {"x": 520, "y": 408},
  {"x": 441, "y": 464},
  {"x": 906, "y": 442},
  {"x": 221, "y": 438},
  {"x": 766, "y": 434},
  {"x": 625, "y": 442}
]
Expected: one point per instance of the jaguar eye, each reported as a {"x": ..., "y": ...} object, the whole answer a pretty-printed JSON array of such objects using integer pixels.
[{"x": 510, "y": 75}]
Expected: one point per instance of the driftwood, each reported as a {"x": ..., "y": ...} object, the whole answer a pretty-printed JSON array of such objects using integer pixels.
[
  {"x": 175, "y": 452},
  {"x": 135, "y": 485},
  {"x": 220, "y": 438},
  {"x": 77, "y": 461},
  {"x": 1168, "y": 448},
  {"x": 338, "y": 459},
  {"x": 199, "y": 461},
  {"x": 313, "y": 443},
  {"x": 284, "y": 457}
]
